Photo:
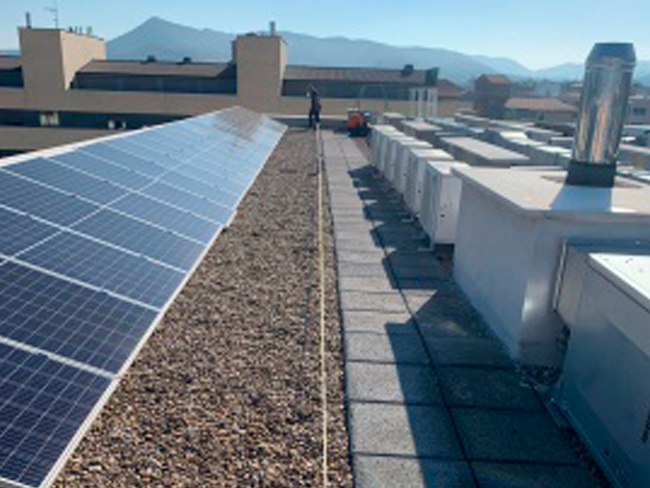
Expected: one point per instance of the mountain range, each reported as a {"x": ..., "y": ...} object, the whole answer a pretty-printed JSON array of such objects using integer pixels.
[{"x": 171, "y": 41}]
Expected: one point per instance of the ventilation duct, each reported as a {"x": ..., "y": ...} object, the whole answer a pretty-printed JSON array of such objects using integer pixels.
[{"x": 603, "y": 108}]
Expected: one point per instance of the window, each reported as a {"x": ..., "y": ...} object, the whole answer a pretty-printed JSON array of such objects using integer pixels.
[
  {"x": 640, "y": 111},
  {"x": 49, "y": 119}
]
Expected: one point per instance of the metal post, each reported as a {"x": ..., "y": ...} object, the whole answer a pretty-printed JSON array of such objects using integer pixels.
[{"x": 603, "y": 108}]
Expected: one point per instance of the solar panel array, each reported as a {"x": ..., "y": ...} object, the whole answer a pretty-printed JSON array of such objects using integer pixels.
[{"x": 95, "y": 242}]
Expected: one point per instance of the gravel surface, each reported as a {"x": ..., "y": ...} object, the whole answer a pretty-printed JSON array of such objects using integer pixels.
[{"x": 226, "y": 392}]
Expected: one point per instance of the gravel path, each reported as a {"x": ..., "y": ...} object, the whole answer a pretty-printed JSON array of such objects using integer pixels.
[{"x": 226, "y": 391}]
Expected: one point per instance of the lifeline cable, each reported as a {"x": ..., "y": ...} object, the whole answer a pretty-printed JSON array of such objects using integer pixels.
[{"x": 321, "y": 265}]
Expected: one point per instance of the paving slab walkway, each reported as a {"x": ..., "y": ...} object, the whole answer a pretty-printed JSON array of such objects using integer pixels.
[{"x": 432, "y": 399}]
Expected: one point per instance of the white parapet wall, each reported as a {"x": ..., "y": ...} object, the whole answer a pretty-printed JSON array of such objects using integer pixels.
[{"x": 511, "y": 228}]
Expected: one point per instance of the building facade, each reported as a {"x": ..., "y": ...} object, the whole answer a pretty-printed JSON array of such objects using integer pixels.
[{"x": 61, "y": 88}]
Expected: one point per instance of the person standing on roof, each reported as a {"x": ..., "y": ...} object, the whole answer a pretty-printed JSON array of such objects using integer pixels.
[{"x": 314, "y": 108}]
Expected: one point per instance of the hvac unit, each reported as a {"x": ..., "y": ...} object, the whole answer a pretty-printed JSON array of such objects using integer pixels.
[
  {"x": 395, "y": 119},
  {"x": 402, "y": 161},
  {"x": 420, "y": 130},
  {"x": 393, "y": 153},
  {"x": 415, "y": 168},
  {"x": 440, "y": 202},
  {"x": 604, "y": 297},
  {"x": 384, "y": 148},
  {"x": 377, "y": 136}
]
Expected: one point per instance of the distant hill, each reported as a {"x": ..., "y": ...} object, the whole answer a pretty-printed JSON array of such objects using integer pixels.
[
  {"x": 506, "y": 66},
  {"x": 566, "y": 71},
  {"x": 167, "y": 40},
  {"x": 170, "y": 41},
  {"x": 575, "y": 71}
]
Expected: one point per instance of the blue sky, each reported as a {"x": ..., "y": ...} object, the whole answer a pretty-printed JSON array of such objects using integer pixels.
[{"x": 538, "y": 34}]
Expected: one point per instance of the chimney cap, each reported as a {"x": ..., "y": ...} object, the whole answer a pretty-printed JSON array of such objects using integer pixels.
[{"x": 612, "y": 52}]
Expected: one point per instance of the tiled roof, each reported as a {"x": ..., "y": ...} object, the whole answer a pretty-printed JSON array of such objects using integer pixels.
[
  {"x": 356, "y": 75},
  {"x": 159, "y": 68},
  {"x": 496, "y": 79},
  {"x": 539, "y": 105},
  {"x": 447, "y": 89}
]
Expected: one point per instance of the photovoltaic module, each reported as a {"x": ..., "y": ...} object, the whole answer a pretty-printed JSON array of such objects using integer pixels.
[{"x": 96, "y": 240}]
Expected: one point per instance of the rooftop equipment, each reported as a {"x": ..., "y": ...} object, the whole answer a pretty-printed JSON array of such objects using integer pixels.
[
  {"x": 603, "y": 108},
  {"x": 604, "y": 297},
  {"x": 441, "y": 191}
]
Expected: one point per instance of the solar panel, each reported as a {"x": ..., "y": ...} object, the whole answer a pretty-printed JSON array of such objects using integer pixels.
[
  {"x": 219, "y": 195},
  {"x": 63, "y": 178},
  {"x": 102, "y": 169},
  {"x": 20, "y": 231},
  {"x": 145, "y": 152},
  {"x": 96, "y": 241},
  {"x": 110, "y": 153},
  {"x": 217, "y": 178},
  {"x": 69, "y": 320},
  {"x": 33, "y": 198},
  {"x": 190, "y": 202},
  {"x": 172, "y": 218},
  {"x": 105, "y": 267},
  {"x": 161, "y": 245},
  {"x": 43, "y": 403}
]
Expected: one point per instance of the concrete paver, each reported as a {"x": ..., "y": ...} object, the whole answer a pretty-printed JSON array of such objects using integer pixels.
[
  {"x": 503, "y": 435},
  {"x": 508, "y": 475},
  {"x": 392, "y": 383},
  {"x": 433, "y": 399},
  {"x": 393, "y": 472},
  {"x": 385, "y": 348},
  {"x": 378, "y": 322},
  {"x": 467, "y": 351},
  {"x": 487, "y": 388},
  {"x": 416, "y": 430}
]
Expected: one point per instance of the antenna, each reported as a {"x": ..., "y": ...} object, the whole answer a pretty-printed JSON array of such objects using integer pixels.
[{"x": 54, "y": 9}]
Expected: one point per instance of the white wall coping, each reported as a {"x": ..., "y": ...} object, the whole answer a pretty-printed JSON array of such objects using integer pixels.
[{"x": 533, "y": 194}]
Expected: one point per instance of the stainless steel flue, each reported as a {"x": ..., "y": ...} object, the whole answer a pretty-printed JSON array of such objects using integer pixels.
[{"x": 603, "y": 109}]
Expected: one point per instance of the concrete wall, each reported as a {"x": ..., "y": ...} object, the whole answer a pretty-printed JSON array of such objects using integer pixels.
[
  {"x": 50, "y": 59},
  {"x": 261, "y": 61}
]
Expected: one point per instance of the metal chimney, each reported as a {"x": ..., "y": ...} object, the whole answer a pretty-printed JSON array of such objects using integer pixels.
[
  {"x": 272, "y": 28},
  {"x": 603, "y": 108}
]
